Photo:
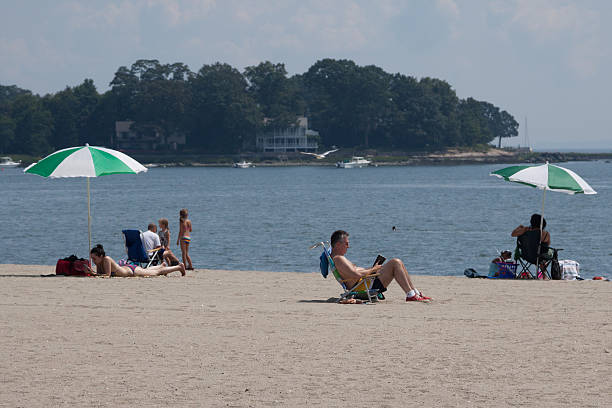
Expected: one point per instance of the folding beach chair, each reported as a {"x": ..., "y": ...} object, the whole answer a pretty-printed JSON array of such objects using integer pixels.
[
  {"x": 361, "y": 290},
  {"x": 136, "y": 251},
  {"x": 530, "y": 252}
]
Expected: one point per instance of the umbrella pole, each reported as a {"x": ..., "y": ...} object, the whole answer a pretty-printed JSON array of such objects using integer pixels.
[
  {"x": 88, "y": 222},
  {"x": 541, "y": 230}
]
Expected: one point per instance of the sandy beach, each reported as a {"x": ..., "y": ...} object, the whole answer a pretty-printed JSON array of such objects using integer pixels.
[{"x": 241, "y": 339}]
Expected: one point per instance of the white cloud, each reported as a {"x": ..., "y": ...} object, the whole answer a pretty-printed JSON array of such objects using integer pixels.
[
  {"x": 390, "y": 8},
  {"x": 14, "y": 53},
  {"x": 24, "y": 57},
  {"x": 448, "y": 7},
  {"x": 127, "y": 12},
  {"x": 334, "y": 26},
  {"x": 182, "y": 11},
  {"x": 549, "y": 19},
  {"x": 87, "y": 15},
  {"x": 568, "y": 26}
]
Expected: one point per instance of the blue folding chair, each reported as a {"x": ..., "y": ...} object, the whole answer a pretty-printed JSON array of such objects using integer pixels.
[{"x": 136, "y": 251}]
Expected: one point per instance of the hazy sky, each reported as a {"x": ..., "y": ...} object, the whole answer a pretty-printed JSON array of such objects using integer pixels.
[{"x": 547, "y": 60}]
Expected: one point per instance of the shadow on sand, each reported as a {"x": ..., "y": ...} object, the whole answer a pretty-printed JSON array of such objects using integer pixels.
[{"x": 330, "y": 300}]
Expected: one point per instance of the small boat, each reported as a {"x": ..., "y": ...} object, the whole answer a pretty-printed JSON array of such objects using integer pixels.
[
  {"x": 354, "y": 162},
  {"x": 243, "y": 165},
  {"x": 8, "y": 162}
]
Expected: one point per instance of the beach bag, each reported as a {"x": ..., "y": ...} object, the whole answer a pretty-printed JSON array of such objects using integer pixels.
[
  {"x": 62, "y": 267},
  {"x": 555, "y": 270},
  {"x": 72, "y": 266},
  {"x": 507, "y": 270}
]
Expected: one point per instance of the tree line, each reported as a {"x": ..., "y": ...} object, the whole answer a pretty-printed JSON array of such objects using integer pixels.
[{"x": 220, "y": 109}]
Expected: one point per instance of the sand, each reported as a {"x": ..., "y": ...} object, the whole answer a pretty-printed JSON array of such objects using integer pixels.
[{"x": 260, "y": 339}]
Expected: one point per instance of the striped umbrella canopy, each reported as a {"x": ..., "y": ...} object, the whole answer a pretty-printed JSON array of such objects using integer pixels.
[
  {"x": 546, "y": 177},
  {"x": 85, "y": 161}
]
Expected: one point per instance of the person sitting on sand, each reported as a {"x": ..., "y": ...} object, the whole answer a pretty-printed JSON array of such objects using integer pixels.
[
  {"x": 494, "y": 268},
  {"x": 164, "y": 239},
  {"x": 546, "y": 253},
  {"x": 106, "y": 266},
  {"x": 150, "y": 239},
  {"x": 393, "y": 269}
]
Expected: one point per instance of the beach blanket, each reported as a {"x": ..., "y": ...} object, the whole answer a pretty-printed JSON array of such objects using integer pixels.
[{"x": 570, "y": 270}]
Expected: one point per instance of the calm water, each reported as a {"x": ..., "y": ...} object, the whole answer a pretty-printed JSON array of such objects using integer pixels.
[{"x": 447, "y": 218}]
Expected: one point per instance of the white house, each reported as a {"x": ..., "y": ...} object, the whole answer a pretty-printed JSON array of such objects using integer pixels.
[{"x": 297, "y": 138}]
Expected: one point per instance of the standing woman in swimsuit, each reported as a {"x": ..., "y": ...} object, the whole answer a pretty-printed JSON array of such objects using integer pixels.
[
  {"x": 184, "y": 237},
  {"x": 106, "y": 266}
]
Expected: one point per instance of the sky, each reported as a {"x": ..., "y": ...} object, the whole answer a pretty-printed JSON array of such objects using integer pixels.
[{"x": 546, "y": 62}]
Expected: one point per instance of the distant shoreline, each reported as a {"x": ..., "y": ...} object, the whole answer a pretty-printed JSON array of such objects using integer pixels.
[{"x": 447, "y": 158}]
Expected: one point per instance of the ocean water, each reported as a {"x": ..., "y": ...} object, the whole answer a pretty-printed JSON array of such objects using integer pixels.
[{"x": 447, "y": 218}]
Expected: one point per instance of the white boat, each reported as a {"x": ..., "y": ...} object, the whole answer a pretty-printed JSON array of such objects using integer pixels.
[
  {"x": 355, "y": 161},
  {"x": 8, "y": 162},
  {"x": 243, "y": 165}
]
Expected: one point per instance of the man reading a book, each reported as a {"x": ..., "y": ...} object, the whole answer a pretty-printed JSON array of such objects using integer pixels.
[{"x": 394, "y": 269}]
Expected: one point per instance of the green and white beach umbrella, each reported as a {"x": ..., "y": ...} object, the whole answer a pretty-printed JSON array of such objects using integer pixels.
[
  {"x": 546, "y": 177},
  {"x": 85, "y": 161}
]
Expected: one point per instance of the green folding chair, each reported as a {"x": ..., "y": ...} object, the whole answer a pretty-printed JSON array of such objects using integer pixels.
[{"x": 361, "y": 290}]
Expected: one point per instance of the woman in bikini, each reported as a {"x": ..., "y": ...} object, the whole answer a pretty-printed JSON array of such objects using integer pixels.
[
  {"x": 184, "y": 237},
  {"x": 106, "y": 266}
]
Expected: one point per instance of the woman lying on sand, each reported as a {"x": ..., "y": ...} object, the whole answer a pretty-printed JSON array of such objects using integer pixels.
[{"x": 106, "y": 266}]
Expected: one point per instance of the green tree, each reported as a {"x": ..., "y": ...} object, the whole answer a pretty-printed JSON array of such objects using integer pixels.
[
  {"x": 406, "y": 125},
  {"x": 153, "y": 94},
  {"x": 439, "y": 108},
  {"x": 100, "y": 126},
  {"x": 71, "y": 110},
  {"x": 124, "y": 88},
  {"x": 373, "y": 102},
  {"x": 63, "y": 108},
  {"x": 220, "y": 109},
  {"x": 224, "y": 117},
  {"x": 508, "y": 126},
  {"x": 33, "y": 125},
  {"x": 7, "y": 132},
  {"x": 87, "y": 98},
  {"x": 280, "y": 99},
  {"x": 9, "y": 93},
  {"x": 331, "y": 102}
]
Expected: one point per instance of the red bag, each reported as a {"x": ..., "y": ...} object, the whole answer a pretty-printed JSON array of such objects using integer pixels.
[
  {"x": 72, "y": 266},
  {"x": 62, "y": 267}
]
